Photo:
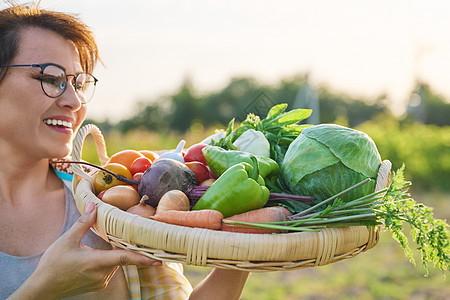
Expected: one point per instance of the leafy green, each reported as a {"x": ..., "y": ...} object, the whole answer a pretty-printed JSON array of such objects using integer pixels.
[
  {"x": 325, "y": 159},
  {"x": 336, "y": 176},
  {"x": 276, "y": 110},
  {"x": 280, "y": 128},
  {"x": 430, "y": 234},
  {"x": 354, "y": 148},
  {"x": 305, "y": 156}
]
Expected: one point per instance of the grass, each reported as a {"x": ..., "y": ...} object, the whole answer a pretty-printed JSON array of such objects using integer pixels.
[{"x": 380, "y": 273}]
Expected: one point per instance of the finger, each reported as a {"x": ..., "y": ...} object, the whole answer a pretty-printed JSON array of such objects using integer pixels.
[
  {"x": 119, "y": 257},
  {"x": 84, "y": 222},
  {"x": 111, "y": 274}
]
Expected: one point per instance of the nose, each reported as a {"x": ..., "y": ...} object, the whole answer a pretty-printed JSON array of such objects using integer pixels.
[{"x": 70, "y": 98}]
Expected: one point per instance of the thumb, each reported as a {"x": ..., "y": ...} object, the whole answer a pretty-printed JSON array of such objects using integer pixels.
[{"x": 84, "y": 222}]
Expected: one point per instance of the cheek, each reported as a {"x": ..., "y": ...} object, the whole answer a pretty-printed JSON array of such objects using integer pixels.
[
  {"x": 81, "y": 116},
  {"x": 21, "y": 109}
]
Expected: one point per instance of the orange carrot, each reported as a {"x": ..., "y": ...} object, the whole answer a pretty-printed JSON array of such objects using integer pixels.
[
  {"x": 286, "y": 211},
  {"x": 173, "y": 200},
  {"x": 261, "y": 215},
  {"x": 205, "y": 218}
]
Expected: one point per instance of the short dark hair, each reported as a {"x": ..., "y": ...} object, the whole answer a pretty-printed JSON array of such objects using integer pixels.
[{"x": 20, "y": 16}]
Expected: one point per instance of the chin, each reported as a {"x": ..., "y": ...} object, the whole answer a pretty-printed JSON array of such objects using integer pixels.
[{"x": 61, "y": 152}]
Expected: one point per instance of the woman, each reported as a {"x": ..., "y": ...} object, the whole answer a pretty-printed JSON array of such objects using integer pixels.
[{"x": 46, "y": 248}]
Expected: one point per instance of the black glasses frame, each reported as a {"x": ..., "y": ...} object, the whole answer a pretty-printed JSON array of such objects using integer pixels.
[{"x": 43, "y": 66}]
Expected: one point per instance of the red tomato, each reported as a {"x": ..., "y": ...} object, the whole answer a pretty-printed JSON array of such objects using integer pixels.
[
  {"x": 211, "y": 174},
  {"x": 200, "y": 170},
  {"x": 100, "y": 195},
  {"x": 194, "y": 153},
  {"x": 140, "y": 164},
  {"x": 152, "y": 155},
  {"x": 137, "y": 176},
  {"x": 125, "y": 157}
]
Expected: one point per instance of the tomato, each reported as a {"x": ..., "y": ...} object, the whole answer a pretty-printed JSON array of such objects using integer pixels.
[
  {"x": 125, "y": 157},
  {"x": 137, "y": 176},
  {"x": 200, "y": 170},
  {"x": 100, "y": 195},
  {"x": 140, "y": 165},
  {"x": 104, "y": 180},
  {"x": 194, "y": 153},
  {"x": 152, "y": 155},
  {"x": 211, "y": 174}
]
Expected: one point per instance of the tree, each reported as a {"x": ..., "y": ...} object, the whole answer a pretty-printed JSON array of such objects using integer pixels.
[
  {"x": 150, "y": 117},
  {"x": 427, "y": 107},
  {"x": 185, "y": 107},
  {"x": 334, "y": 106},
  {"x": 222, "y": 106}
]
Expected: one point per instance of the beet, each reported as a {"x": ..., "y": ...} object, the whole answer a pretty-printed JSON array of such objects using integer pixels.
[{"x": 164, "y": 175}]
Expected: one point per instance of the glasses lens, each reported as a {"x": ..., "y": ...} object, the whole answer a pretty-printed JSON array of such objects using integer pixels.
[
  {"x": 53, "y": 81},
  {"x": 85, "y": 86}
]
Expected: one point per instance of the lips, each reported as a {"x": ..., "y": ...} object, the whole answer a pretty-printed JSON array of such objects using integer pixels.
[{"x": 58, "y": 122}]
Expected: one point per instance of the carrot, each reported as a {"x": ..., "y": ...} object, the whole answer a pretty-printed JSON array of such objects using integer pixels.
[
  {"x": 173, "y": 200},
  {"x": 261, "y": 215},
  {"x": 205, "y": 218}
]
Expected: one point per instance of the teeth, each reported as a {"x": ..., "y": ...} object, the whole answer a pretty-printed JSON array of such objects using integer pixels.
[{"x": 55, "y": 122}]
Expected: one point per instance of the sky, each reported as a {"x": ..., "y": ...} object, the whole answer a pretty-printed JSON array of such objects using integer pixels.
[{"x": 361, "y": 48}]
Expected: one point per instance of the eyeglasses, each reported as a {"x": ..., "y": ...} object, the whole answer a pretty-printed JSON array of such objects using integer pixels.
[{"x": 54, "y": 81}]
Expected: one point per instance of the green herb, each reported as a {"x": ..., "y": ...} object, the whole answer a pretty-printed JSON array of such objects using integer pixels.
[
  {"x": 279, "y": 127},
  {"x": 430, "y": 234}
]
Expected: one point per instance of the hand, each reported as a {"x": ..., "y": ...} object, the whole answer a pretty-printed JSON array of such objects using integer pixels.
[
  {"x": 69, "y": 267},
  {"x": 221, "y": 284}
]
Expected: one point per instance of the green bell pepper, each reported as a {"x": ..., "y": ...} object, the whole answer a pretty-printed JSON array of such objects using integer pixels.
[
  {"x": 236, "y": 191},
  {"x": 219, "y": 160}
]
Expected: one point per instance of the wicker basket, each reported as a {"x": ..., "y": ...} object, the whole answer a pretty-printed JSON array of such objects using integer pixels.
[{"x": 203, "y": 247}]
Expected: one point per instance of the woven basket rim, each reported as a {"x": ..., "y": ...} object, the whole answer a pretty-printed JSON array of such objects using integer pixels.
[{"x": 204, "y": 247}]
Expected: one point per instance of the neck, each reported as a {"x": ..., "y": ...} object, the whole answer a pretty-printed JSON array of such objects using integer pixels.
[{"x": 20, "y": 178}]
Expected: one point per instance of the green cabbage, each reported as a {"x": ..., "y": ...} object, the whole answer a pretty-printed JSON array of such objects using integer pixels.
[{"x": 326, "y": 159}]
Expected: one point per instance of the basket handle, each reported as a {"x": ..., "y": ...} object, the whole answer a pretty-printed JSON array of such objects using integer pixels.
[
  {"x": 384, "y": 175},
  {"x": 78, "y": 146}
]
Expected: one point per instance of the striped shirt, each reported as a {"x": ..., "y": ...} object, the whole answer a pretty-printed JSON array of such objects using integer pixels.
[{"x": 165, "y": 282}]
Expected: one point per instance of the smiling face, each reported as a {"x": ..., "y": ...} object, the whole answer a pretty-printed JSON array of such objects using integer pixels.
[{"x": 32, "y": 123}]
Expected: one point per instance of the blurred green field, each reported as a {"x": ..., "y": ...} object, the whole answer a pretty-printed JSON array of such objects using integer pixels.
[
  {"x": 381, "y": 273},
  {"x": 425, "y": 150}
]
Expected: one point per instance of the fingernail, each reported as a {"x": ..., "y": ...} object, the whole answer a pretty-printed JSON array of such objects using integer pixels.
[
  {"x": 90, "y": 207},
  {"x": 157, "y": 264}
]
